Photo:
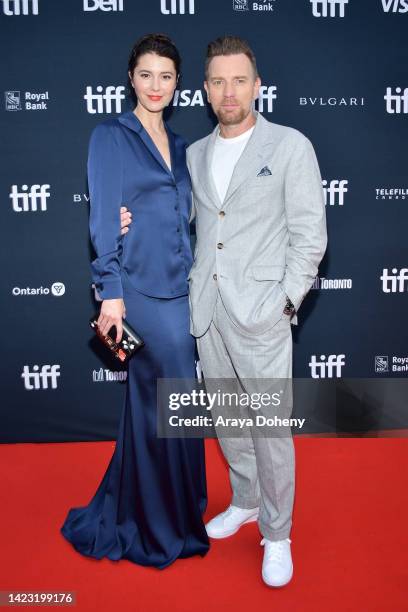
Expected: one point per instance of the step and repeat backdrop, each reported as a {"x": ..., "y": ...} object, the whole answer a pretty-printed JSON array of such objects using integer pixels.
[{"x": 334, "y": 69}]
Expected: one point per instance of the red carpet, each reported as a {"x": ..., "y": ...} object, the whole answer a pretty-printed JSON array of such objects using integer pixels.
[{"x": 349, "y": 540}]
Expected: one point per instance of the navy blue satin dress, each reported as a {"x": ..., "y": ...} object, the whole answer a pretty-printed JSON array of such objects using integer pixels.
[{"x": 148, "y": 507}]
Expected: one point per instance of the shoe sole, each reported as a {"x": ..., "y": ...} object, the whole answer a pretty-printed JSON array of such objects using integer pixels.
[
  {"x": 230, "y": 533},
  {"x": 277, "y": 586}
]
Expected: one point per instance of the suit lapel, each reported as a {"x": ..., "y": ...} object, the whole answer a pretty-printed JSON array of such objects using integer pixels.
[
  {"x": 205, "y": 176},
  {"x": 248, "y": 164}
]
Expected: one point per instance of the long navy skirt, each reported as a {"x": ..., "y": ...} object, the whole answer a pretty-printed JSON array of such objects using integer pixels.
[{"x": 148, "y": 507}]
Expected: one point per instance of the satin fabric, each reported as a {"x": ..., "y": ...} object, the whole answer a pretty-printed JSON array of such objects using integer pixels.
[
  {"x": 125, "y": 168},
  {"x": 148, "y": 507}
]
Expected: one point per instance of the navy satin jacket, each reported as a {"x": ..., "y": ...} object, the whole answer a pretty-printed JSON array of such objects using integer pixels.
[{"x": 126, "y": 169}]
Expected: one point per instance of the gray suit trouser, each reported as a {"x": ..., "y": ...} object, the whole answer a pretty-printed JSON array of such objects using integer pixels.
[{"x": 262, "y": 469}]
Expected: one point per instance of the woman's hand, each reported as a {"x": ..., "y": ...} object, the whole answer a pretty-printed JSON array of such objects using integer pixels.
[
  {"x": 125, "y": 220},
  {"x": 112, "y": 313}
]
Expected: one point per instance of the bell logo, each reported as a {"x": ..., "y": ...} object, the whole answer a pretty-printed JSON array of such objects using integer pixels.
[
  {"x": 334, "y": 192},
  {"x": 266, "y": 94},
  {"x": 398, "y": 102},
  {"x": 327, "y": 367},
  {"x": 395, "y": 282},
  {"x": 174, "y": 7},
  {"x": 20, "y": 7},
  {"x": 39, "y": 379},
  {"x": 328, "y": 8},
  {"x": 395, "y": 6},
  {"x": 102, "y": 102},
  {"x": 103, "y": 5},
  {"x": 33, "y": 200}
]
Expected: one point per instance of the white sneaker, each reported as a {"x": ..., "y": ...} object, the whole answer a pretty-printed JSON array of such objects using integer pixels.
[
  {"x": 227, "y": 523},
  {"x": 277, "y": 566}
]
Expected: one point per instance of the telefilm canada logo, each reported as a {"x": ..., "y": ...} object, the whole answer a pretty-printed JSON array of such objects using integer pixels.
[
  {"x": 57, "y": 289},
  {"x": 391, "y": 193},
  {"x": 20, "y": 7},
  {"x": 28, "y": 100},
  {"x": 177, "y": 7},
  {"x": 106, "y": 375},
  {"x": 262, "y": 6},
  {"x": 41, "y": 377}
]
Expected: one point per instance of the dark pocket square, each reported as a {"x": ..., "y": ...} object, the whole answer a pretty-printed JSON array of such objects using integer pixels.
[{"x": 264, "y": 172}]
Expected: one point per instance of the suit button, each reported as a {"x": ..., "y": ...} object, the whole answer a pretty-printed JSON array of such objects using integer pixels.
[
  {"x": 214, "y": 276},
  {"x": 222, "y": 213},
  {"x": 220, "y": 245}
]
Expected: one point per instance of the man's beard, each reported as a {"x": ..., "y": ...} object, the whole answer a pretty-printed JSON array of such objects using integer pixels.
[{"x": 232, "y": 117}]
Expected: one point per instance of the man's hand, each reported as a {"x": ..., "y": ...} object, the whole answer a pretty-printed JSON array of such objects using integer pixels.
[
  {"x": 125, "y": 220},
  {"x": 112, "y": 312}
]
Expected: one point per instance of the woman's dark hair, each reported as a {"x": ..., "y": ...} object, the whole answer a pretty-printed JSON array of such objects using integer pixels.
[{"x": 160, "y": 44}]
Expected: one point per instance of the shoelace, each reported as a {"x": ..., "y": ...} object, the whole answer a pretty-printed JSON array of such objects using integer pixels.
[{"x": 274, "y": 550}]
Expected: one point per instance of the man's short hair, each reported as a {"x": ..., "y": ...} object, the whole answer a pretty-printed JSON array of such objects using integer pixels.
[{"x": 229, "y": 45}]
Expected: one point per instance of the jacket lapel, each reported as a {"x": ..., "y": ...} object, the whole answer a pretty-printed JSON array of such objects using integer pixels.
[
  {"x": 248, "y": 164},
  {"x": 205, "y": 176}
]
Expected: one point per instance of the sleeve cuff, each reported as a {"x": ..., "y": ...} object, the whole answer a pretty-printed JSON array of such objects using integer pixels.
[{"x": 109, "y": 289}]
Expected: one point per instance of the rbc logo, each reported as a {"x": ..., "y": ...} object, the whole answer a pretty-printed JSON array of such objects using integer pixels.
[
  {"x": 266, "y": 94},
  {"x": 103, "y": 5},
  {"x": 395, "y": 6},
  {"x": 335, "y": 191},
  {"x": 176, "y": 6},
  {"x": 20, "y": 7},
  {"x": 24, "y": 200},
  {"x": 398, "y": 102},
  {"x": 319, "y": 8},
  {"x": 394, "y": 282},
  {"x": 38, "y": 379},
  {"x": 104, "y": 100},
  {"x": 327, "y": 367}
]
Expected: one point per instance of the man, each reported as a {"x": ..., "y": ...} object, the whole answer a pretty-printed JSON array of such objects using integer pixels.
[{"x": 261, "y": 234}]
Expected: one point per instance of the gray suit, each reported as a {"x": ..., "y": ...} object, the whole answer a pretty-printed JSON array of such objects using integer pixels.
[{"x": 263, "y": 243}]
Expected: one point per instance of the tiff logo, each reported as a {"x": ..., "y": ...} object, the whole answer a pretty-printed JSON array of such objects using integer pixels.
[
  {"x": 334, "y": 193},
  {"x": 336, "y": 8},
  {"x": 103, "y": 5},
  {"x": 39, "y": 379},
  {"x": 398, "y": 102},
  {"x": 104, "y": 101},
  {"x": 268, "y": 95},
  {"x": 176, "y": 7},
  {"x": 24, "y": 200},
  {"x": 395, "y": 6},
  {"x": 327, "y": 367},
  {"x": 394, "y": 282},
  {"x": 20, "y": 7}
]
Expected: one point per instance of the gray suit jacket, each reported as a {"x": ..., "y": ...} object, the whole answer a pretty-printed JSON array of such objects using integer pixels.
[{"x": 267, "y": 238}]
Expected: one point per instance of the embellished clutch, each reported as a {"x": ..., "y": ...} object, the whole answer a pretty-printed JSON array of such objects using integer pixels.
[{"x": 129, "y": 344}]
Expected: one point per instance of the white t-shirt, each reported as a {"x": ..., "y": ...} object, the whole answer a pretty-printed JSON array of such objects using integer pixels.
[{"x": 227, "y": 151}]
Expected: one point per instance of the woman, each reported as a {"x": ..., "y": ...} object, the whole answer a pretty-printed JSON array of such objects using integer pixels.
[{"x": 149, "y": 505}]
